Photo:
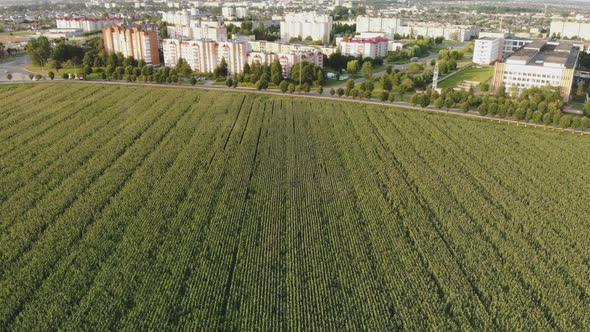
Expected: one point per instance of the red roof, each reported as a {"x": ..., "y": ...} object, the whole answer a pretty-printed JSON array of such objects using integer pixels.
[
  {"x": 93, "y": 19},
  {"x": 373, "y": 40}
]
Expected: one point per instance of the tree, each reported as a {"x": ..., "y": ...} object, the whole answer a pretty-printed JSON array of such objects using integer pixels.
[
  {"x": 221, "y": 70},
  {"x": 340, "y": 92},
  {"x": 587, "y": 108},
  {"x": 229, "y": 82},
  {"x": 39, "y": 50},
  {"x": 465, "y": 107},
  {"x": 31, "y": 76},
  {"x": 350, "y": 84},
  {"x": 439, "y": 102},
  {"x": 332, "y": 91},
  {"x": 183, "y": 68},
  {"x": 367, "y": 70},
  {"x": 537, "y": 117},
  {"x": 501, "y": 92},
  {"x": 584, "y": 123},
  {"x": 320, "y": 89},
  {"x": 547, "y": 119},
  {"x": 581, "y": 90},
  {"x": 38, "y": 77},
  {"x": 51, "y": 75},
  {"x": 291, "y": 88},
  {"x": 425, "y": 101},
  {"x": 276, "y": 72},
  {"x": 565, "y": 121},
  {"x": 352, "y": 66},
  {"x": 261, "y": 85},
  {"x": 9, "y": 77},
  {"x": 306, "y": 87},
  {"x": 391, "y": 97},
  {"x": 384, "y": 95},
  {"x": 355, "y": 93},
  {"x": 283, "y": 86},
  {"x": 193, "y": 81}
]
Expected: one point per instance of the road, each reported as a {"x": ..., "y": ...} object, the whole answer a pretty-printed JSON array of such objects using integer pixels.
[{"x": 16, "y": 68}]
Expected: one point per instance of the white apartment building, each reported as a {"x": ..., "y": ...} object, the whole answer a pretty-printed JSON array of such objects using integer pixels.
[
  {"x": 487, "y": 51},
  {"x": 199, "y": 29},
  {"x": 387, "y": 25},
  {"x": 316, "y": 26},
  {"x": 540, "y": 63},
  {"x": 366, "y": 47},
  {"x": 182, "y": 17},
  {"x": 86, "y": 23},
  {"x": 570, "y": 29},
  {"x": 205, "y": 55},
  {"x": 231, "y": 11}
]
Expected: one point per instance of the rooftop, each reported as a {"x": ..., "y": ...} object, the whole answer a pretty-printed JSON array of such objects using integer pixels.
[{"x": 542, "y": 52}]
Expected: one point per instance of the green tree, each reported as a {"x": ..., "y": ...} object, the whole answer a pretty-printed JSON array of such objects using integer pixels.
[
  {"x": 587, "y": 108},
  {"x": 350, "y": 84},
  {"x": 38, "y": 50},
  {"x": 332, "y": 91},
  {"x": 193, "y": 81},
  {"x": 584, "y": 123},
  {"x": 367, "y": 70},
  {"x": 229, "y": 82},
  {"x": 547, "y": 119},
  {"x": 221, "y": 71},
  {"x": 384, "y": 95},
  {"x": 465, "y": 107},
  {"x": 340, "y": 92},
  {"x": 9, "y": 77},
  {"x": 565, "y": 121},
  {"x": 501, "y": 92},
  {"x": 51, "y": 75},
  {"x": 291, "y": 88},
  {"x": 352, "y": 66},
  {"x": 320, "y": 89},
  {"x": 439, "y": 102},
  {"x": 283, "y": 86},
  {"x": 581, "y": 90},
  {"x": 355, "y": 93}
]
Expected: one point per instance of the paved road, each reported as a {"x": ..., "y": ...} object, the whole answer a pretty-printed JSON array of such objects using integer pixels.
[{"x": 16, "y": 68}]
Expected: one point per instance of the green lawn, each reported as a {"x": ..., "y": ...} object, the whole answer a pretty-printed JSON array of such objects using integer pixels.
[{"x": 481, "y": 75}]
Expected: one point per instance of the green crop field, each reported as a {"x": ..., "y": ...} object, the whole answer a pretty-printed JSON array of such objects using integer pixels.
[{"x": 167, "y": 209}]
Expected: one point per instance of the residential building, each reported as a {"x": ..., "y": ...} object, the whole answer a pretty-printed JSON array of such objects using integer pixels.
[
  {"x": 387, "y": 25},
  {"x": 183, "y": 17},
  {"x": 287, "y": 59},
  {"x": 367, "y": 47},
  {"x": 540, "y": 63},
  {"x": 86, "y": 23},
  {"x": 569, "y": 29},
  {"x": 394, "y": 25},
  {"x": 307, "y": 24},
  {"x": 199, "y": 29},
  {"x": 205, "y": 55},
  {"x": 487, "y": 50},
  {"x": 137, "y": 41},
  {"x": 231, "y": 11}
]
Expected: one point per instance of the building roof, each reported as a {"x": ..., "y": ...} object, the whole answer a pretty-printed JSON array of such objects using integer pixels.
[
  {"x": 91, "y": 19},
  {"x": 542, "y": 52},
  {"x": 373, "y": 40}
]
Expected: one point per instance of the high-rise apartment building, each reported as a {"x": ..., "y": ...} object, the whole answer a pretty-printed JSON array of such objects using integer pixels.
[
  {"x": 137, "y": 41},
  {"x": 86, "y": 23},
  {"x": 303, "y": 25},
  {"x": 205, "y": 55}
]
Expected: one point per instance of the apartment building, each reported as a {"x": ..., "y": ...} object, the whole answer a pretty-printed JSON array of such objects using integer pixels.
[
  {"x": 367, "y": 47},
  {"x": 387, "y": 25},
  {"x": 287, "y": 59},
  {"x": 306, "y": 24},
  {"x": 392, "y": 25},
  {"x": 199, "y": 29},
  {"x": 205, "y": 55},
  {"x": 487, "y": 50},
  {"x": 86, "y": 23},
  {"x": 569, "y": 29},
  {"x": 540, "y": 63},
  {"x": 232, "y": 11},
  {"x": 137, "y": 41}
]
